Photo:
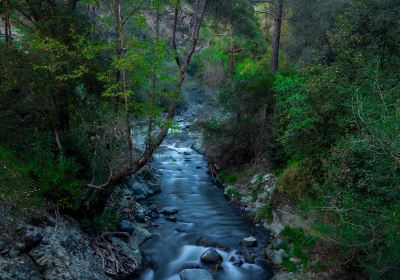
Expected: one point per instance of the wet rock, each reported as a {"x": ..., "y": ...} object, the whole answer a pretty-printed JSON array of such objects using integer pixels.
[
  {"x": 198, "y": 167},
  {"x": 13, "y": 253},
  {"x": 65, "y": 253},
  {"x": 155, "y": 215},
  {"x": 33, "y": 236},
  {"x": 153, "y": 208},
  {"x": 19, "y": 247},
  {"x": 171, "y": 218},
  {"x": 186, "y": 153},
  {"x": 205, "y": 242},
  {"x": 143, "y": 184},
  {"x": 126, "y": 226},
  {"x": 218, "y": 267},
  {"x": 249, "y": 242},
  {"x": 3, "y": 245},
  {"x": 195, "y": 274},
  {"x": 131, "y": 249},
  {"x": 249, "y": 257},
  {"x": 169, "y": 210},
  {"x": 4, "y": 251},
  {"x": 191, "y": 265},
  {"x": 211, "y": 256},
  {"x": 140, "y": 217},
  {"x": 236, "y": 261},
  {"x": 21, "y": 268}
]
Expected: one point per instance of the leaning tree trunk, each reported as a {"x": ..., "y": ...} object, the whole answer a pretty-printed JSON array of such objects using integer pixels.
[
  {"x": 276, "y": 36},
  {"x": 105, "y": 190}
]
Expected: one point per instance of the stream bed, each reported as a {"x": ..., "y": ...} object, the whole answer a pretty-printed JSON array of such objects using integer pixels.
[{"x": 205, "y": 219}]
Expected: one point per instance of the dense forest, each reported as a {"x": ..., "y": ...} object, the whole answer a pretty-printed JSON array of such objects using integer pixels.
[{"x": 307, "y": 91}]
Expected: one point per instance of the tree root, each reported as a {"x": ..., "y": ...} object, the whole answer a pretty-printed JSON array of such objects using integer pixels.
[{"x": 114, "y": 261}]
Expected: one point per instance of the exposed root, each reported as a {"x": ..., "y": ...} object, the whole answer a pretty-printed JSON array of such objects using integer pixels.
[{"x": 114, "y": 260}]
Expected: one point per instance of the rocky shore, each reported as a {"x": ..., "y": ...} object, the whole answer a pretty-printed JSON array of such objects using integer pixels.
[{"x": 57, "y": 247}]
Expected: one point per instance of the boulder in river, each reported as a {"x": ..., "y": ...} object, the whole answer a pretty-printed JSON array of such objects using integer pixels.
[
  {"x": 211, "y": 256},
  {"x": 171, "y": 218},
  {"x": 249, "y": 242},
  {"x": 169, "y": 210},
  {"x": 126, "y": 226},
  {"x": 195, "y": 274}
]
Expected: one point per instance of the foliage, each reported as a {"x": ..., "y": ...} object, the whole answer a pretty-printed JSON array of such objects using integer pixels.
[
  {"x": 264, "y": 212},
  {"x": 232, "y": 193},
  {"x": 297, "y": 243},
  {"x": 109, "y": 220},
  {"x": 56, "y": 175}
]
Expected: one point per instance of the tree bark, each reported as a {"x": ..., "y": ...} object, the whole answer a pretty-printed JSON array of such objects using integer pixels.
[{"x": 276, "y": 35}]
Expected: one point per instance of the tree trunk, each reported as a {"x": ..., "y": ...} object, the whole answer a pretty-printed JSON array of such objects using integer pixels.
[
  {"x": 71, "y": 4},
  {"x": 182, "y": 64},
  {"x": 232, "y": 52},
  {"x": 276, "y": 36},
  {"x": 105, "y": 190},
  {"x": 120, "y": 45},
  {"x": 7, "y": 24}
]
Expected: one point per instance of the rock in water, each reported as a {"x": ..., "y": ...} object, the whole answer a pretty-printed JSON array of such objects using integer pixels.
[
  {"x": 249, "y": 242},
  {"x": 169, "y": 211},
  {"x": 211, "y": 256},
  {"x": 171, "y": 218},
  {"x": 126, "y": 226},
  {"x": 195, "y": 274}
]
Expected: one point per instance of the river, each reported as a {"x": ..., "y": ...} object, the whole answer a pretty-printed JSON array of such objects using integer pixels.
[{"x": 204, "y": 213}]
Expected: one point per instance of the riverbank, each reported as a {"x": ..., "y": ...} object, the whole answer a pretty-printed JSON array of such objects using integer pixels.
[
  {"x": 294, "y": 247},
  {"x": 58, "y": 247}
]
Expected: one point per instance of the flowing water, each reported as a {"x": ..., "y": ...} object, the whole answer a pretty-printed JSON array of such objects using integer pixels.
[{"x": 203, "y": 213}]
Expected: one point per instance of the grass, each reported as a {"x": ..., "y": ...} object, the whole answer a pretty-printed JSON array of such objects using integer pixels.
[
  {"x": 297, "y": 243},
  {"x": 265, "y": 212}
]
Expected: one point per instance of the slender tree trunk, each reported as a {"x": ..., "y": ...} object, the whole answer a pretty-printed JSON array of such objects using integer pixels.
[
  {"x": 149, "y": 140},
  {"x": 120, "y": 45},
  {"x": 7, "y": 24},
  {"x": 182, "y": 64},
  {"x": 276, "y": 35},
  {"x": 232, "y": 52}
]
